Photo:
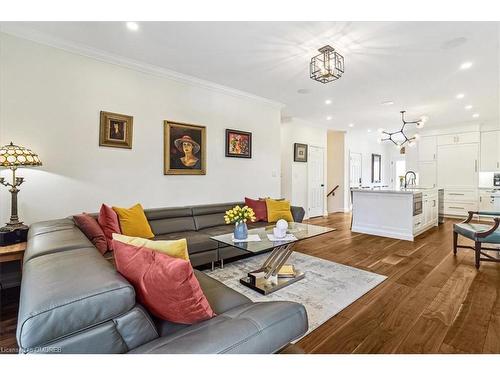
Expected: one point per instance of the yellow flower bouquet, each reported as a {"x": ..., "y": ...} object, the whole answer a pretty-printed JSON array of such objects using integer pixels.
[{"x": 239, "y": 217}]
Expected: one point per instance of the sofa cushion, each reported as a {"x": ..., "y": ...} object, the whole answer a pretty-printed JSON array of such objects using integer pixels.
[
  {"x": 108, "y": 220},
  {"x": 277, "y": 210},
  {"x": 211, "y": 215},
  {"x": 133, "y": 221},
  {"x": 254, "y": 328},
  {"x": 170, "y": 220},
  {"x": 259, "y": 208},
  {"x": 166, "y": 286},
  {"x": 68, "y": 292},
  {"x": 197, "y": 241},
  {"x": 55, "y": 241},
  {"x": 91, "y": 228},
  {"x": 221, "y": 299},
  {"x": 173, "y": 248},
  {"x": 50, "y": 226}
]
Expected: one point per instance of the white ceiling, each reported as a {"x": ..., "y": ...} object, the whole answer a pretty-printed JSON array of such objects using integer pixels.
[{"x": 414, "y": 64}]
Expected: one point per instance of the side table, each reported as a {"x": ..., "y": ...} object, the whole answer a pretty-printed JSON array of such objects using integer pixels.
[{"x": 12, "y": 252}]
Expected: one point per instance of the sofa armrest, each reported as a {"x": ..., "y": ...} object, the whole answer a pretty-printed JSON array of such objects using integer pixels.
[
  {"x": 254, "y": 328},
  {"x": 297, "y": 213}
]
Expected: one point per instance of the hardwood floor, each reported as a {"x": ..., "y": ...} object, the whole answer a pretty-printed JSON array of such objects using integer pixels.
[{"x": 432, "y": 301}]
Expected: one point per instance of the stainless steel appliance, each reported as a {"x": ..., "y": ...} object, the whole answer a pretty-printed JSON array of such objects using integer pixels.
[
  {"x": 440, "y": 206},
  {"x": 417, "y": 204},
  {"x": 496, "y": 179}
]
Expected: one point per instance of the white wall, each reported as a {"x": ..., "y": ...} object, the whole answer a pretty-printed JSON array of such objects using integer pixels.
[
  {"x": 294, "y": 175},
  {"x": 360, "y": 141},
  {"x": 50, "y": 101}
]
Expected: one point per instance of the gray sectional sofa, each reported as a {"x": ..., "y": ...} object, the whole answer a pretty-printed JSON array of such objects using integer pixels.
[{"x": 74, "y": 301}]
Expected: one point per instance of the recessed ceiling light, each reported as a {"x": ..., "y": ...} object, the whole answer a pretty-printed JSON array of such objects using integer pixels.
[
  {"x": 351, "y": 125},
  {"x": 369, "y": 130},
  {"x": 468, "y": 107},
  {"x": 460, "y": 96},
  {"x": 387, "y": 102},
  {"x": 475, "y": 115},
  {"x": 132, "y": 26},
  {"x": 328, "y": 101},
  {"x": 466, "y": 65},
  {"x": 329, "y": 118}
]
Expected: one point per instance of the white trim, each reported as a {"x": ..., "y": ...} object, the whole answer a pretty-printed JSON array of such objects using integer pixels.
[
  {"x": 400, "y": 235},
  {"x": 97, "y": 54}
]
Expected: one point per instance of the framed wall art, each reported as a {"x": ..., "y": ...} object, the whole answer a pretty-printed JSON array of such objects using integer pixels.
[
  {"x": 300, "y": 152},
  {"x": 115, "y": 130},
  {"x": 184, "y": 149},
  {"x": 238, "y": 144}
]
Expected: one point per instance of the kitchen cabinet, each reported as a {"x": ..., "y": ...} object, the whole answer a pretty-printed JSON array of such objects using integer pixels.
[
  {"x": 490, "y": 151},
  {"x": 427, "y": 149},
  {"x": 427, "y": 174},
  {"x": 458, "y": 138},
  {"x": 457, "y": 166}
]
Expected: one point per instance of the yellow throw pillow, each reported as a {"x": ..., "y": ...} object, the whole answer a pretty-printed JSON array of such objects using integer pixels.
[
  {"x": 175, "y": 248},
  {"x": 278, "y": 210},
  {"x": 133, "y": 221}
]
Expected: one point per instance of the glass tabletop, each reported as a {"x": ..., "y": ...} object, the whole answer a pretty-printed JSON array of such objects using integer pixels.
[{"x": 299, "y": 230}]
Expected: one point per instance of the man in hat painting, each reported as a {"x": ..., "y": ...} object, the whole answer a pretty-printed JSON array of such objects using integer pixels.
[{"x": 190, "y": 148}]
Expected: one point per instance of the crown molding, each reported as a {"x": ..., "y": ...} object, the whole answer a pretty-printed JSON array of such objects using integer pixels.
[{"x": 103, "y": 56}]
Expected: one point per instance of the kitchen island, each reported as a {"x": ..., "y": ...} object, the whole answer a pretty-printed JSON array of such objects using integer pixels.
[{"x": 401, "y": 214}]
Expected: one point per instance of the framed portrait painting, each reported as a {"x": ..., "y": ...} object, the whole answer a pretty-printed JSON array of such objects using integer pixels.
[
  {"x": 238, "y": 144},
  {"x": 184, "y": 149},
  {"x": 115, "y": 130},
  {"x": 300, "y": 152}
]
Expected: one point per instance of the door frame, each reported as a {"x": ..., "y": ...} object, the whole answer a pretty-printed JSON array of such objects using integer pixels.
[{"x": 323, "y": 200}]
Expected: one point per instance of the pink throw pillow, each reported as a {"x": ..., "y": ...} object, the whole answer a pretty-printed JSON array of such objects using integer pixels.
[
  {"x": 91, "y": 228},
  {"x": 108, "y": 220},
  {"x": 166, "y": 286}
]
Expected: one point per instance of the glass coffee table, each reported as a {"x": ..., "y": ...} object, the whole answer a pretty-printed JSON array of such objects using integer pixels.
[{"x": 271, "y": 275}]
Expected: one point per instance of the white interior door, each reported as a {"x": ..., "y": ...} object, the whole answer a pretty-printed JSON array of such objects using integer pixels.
[
  {"x": 316, "y": 181},
  {"x": 355, "y": 163}
]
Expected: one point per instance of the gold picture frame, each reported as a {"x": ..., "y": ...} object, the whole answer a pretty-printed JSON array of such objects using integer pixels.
[
  {"x": 115, "y": 130},
  {"x": 185, "y": 149}
]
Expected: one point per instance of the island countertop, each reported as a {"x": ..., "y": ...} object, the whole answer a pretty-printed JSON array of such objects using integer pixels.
[{"x": 412, "y": 190}]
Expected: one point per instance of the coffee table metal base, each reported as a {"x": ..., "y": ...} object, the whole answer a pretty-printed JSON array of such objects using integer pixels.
[
  {"x": 266, "y": 279},
  {"x": 264, "y": 286}
]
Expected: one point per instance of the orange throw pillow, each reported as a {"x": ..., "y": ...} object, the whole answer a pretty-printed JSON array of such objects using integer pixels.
[{"x": 133, "y": 221}]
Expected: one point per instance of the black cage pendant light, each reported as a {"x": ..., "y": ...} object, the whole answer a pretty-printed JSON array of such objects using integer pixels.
[{"x": 328, "y": 66}]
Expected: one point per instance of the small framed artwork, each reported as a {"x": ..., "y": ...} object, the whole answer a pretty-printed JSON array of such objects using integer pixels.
[
  {"x": 300, "y": 152},
  {"x": 184, "y": 149},
  {"x": 115, "y": 130},
  {"x": 238, "y": 144}
]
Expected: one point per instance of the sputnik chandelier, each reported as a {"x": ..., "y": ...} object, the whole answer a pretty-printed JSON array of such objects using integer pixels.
[
  {"x": 328, "y": 66},
  {"x": 400, "y": 137}
]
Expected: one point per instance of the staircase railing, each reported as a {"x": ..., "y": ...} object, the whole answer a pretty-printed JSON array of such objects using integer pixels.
[{"x": 332, "y": 193}]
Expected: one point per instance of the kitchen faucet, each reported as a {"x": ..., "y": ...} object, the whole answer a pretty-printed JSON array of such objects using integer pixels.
[{"x": 412, "y": 180}]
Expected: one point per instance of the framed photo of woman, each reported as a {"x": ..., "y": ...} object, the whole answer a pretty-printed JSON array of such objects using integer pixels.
[{"x": 184, "y": 149}]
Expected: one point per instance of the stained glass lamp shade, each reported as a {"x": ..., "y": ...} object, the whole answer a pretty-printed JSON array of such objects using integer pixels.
[{"x": 13, "y": 157}]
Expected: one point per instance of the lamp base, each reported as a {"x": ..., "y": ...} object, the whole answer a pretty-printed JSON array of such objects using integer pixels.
[{"x": 10, "y": 236}]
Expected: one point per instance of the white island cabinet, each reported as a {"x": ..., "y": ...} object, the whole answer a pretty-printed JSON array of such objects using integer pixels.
[{"x": 401, "y": 214}]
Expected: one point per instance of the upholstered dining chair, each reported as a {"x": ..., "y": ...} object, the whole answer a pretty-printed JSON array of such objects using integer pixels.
[{"x": 479, "y": 233}]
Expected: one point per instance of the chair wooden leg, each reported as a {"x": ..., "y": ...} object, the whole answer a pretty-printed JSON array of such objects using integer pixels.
[
  {"x": 455, "y": 242},
  {"x": 478, "y": 253}
]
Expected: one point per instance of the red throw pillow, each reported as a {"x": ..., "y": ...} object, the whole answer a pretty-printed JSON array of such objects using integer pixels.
[
  {"x": 259, "y": 207},
  {"x": 90, "y": 227},
  {"x": 166, "y": 286},
  {"x": 108, "y": 220}
]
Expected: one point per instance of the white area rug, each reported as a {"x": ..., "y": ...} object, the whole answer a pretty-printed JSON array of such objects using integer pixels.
[{"x": 326, "y": 290}]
